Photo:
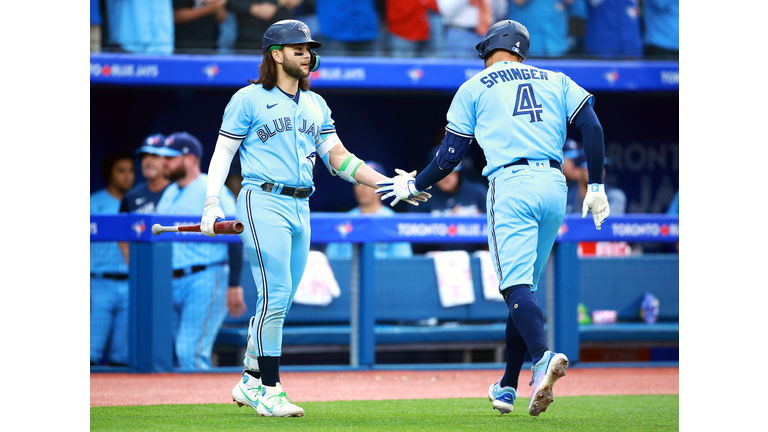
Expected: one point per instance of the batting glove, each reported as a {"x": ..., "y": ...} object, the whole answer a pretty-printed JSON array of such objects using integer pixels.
[
  {"x": 403, "y": 188},
  {"x": 597, "y": 201},
  {"x": 211, "y": 213}
]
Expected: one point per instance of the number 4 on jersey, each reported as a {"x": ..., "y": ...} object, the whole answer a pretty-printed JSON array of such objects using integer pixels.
[{"x": 526, "y": 103}]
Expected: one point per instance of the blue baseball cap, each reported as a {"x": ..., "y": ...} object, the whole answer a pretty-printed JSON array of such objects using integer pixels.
[
  {"x": 182, "y": 143},
  {"x": 152, "y": 144}
]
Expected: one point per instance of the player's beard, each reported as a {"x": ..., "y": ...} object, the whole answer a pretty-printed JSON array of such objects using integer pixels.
[
  {"x": 178, "y": 173},
  {"x": 294, "y": 70}
]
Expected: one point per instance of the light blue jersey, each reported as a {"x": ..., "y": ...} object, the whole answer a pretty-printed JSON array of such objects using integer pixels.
[
  {"x": 106, "y": 256},
  {"x": 109, "y": 292},
  {"x": 280, "y": 138},
  {"x": 187, "y": 201},
  {"x": 516, "y": 111}
]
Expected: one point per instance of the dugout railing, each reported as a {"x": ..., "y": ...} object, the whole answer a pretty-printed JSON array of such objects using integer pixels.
[{"x": 150, "y": 338}]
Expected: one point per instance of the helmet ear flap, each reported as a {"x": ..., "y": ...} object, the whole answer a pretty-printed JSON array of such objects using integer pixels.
[{"x": 314, "y": 61}]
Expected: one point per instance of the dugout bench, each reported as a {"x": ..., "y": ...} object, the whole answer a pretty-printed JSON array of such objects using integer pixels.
[
  {"x": 377, "y": 311},
  {"x": 409, "y": 316}
]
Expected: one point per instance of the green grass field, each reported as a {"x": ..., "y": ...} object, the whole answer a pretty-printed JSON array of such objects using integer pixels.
[{"x": 582, "y": 413}]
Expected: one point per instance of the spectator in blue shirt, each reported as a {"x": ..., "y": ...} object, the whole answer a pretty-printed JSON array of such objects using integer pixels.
[
  {"x": 613, "y": 29},
  {"x": 547, "y": 24},
  {"x": 349, "y": 27},
  {"x": 662, "y": 28},
  {"x": 139, "y": 26},
  {"x": 369, "y": 203}
]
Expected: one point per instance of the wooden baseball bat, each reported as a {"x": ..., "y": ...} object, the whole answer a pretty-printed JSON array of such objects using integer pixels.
[{"x": 219, "y": 227}]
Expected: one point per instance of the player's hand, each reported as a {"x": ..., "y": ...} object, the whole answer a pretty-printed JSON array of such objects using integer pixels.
[
  {"x": 236, "y": 301},
  {"x": 211, "y": 213},
  {"x": 597, "y": 202},
  {"x": 403, "y": 188}
]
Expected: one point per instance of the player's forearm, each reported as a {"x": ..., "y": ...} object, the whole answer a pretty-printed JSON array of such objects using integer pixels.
[
  {"x": 220, "y": 162},
  {"x": 449, "y": 156},
  {"x": 593, "y": 142},
  {"x": 340, "y": 157}
]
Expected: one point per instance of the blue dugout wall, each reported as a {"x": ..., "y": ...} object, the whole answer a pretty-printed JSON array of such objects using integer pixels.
[{"x": 150, "y": 348}]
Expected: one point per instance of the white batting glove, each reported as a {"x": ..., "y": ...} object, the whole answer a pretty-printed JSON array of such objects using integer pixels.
[
  {"x": 597, "y": 202},
  {"x": 211, "y": 213},
  {"x": 403, "y": 188}
]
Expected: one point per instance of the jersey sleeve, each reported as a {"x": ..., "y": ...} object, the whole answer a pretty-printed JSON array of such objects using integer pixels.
[
  {"x": 575, "y": 98},
  {"x": 238, "y": 116},
  {"x": 461, "y": 114}
]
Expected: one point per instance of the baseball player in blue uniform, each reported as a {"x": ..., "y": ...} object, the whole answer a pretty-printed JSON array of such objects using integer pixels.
[
  {"x": 281, "y": 129},
  {"x": 109, "y": 272},
  {"x": 206, "y": 276},
  {"x": 143, "y": 197},
  {"x": 518, "y": 115}
]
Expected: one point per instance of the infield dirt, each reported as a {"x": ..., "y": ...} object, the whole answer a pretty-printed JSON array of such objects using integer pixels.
[{"x": 108, "y": 389}]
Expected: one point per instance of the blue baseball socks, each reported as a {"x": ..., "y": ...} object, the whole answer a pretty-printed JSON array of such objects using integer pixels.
[{"x": 524, "y": 333}]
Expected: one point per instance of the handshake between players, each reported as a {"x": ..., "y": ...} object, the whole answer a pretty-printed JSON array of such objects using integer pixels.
[{"x": 402, "y": 187}]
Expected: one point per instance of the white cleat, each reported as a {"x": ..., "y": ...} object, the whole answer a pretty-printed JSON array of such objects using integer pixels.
[
  {"x": 549, "y": 369},
  {"x": 273, "y": 402},
  {"x": 247, "y": 391}
]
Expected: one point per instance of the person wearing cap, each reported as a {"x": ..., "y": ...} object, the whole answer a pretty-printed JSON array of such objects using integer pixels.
[
  {"x": 109, "y": 271},
  {"x": 143, "y": 197},
  {"x": 206, "y": 276},
  {"x": 281, "y": 129},
  {"x": 368, "y": 203}
]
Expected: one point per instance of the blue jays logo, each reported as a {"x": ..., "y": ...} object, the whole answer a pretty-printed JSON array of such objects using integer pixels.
[
  {"x": 415, "y": 74},
  {"x": 311, "y": 157},
  {"x": 138, "y": 228},
  {"x": 305, "y": 29},
  {"x": 211, "y": 71},
  {"x": 153, "y": 140},
  {"x": 344, "y": 229}
]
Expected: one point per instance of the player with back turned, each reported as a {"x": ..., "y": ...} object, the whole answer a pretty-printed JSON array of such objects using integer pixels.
[
  {"x": 518, "y": 114},
  {"x": 280, "y": 129}
]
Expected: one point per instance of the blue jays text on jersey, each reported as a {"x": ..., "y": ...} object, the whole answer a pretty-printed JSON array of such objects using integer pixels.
[
  {"x": 284, "y": 124},
  {"x": 280, "y": 136}
]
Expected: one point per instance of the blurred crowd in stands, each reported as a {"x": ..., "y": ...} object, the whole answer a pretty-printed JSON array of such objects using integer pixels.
[{"x": 614, "y": 29}]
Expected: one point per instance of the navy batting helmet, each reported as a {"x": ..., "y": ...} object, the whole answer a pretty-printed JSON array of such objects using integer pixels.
[
  {"x": 288, "y": 32},
  {"x": 507, "y": 35}
]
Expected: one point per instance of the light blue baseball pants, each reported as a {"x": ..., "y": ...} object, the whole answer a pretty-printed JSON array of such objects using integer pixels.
[
  {"x": 276, "y": 238},
  {"x": 526, "y": 206}
]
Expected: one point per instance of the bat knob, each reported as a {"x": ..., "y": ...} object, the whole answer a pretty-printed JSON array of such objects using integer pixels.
[{"x": 156, "y": 229}]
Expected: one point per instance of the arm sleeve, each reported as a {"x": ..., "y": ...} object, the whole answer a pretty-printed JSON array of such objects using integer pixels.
[
  {"x": 220, "y": 161},
  {"x": 235, "y": 263},
  {"x": 592, "y": 138},
  {"x": 451, "y": 152}
]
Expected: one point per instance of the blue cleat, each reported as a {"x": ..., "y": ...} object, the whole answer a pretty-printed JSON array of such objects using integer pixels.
[
  {"x": 502, "y": 397},
  {"x": 549, "y": 369}
]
